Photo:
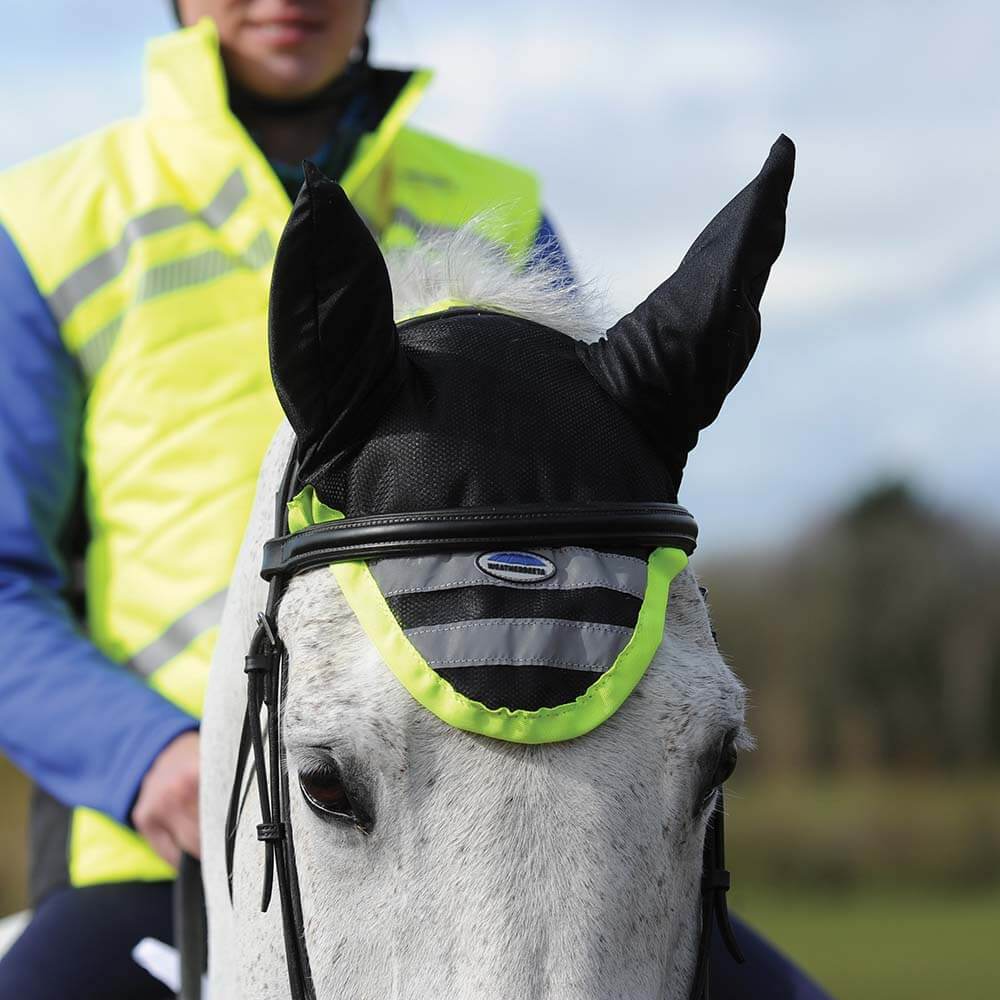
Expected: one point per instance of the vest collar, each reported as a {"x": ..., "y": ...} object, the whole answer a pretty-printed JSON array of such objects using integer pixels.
[
  {"x": 184, "y": 77},
  {"x": 185, "y": 84}
]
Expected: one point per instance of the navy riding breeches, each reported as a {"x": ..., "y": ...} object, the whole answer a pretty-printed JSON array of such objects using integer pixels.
[
  {"x": 766, "y": 974},
  {"x": 80, "y": 943}
]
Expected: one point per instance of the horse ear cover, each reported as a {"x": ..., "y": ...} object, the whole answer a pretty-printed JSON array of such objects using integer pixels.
[
  {"x": 671, "y": 362},
  {"x": 335, "y": 354},
  {"x": 372, "y": 437}
]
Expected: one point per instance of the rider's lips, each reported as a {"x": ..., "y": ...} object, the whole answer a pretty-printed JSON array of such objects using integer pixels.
[{"x": 287, "y": 30}]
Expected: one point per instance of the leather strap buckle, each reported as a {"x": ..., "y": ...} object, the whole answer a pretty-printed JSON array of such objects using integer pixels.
[
  {"x": 270, "y": 832},
  {"x": 715, "y": 880},
  {"x": 260, "y": 663}
]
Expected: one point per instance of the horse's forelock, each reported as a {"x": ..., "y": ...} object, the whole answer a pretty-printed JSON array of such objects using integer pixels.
[{"x": 462, "y": 266}]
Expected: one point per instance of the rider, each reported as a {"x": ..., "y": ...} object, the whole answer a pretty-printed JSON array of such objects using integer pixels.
[
  {"x": 134, "y": 269},
  {"x": 135, "y": 408}
]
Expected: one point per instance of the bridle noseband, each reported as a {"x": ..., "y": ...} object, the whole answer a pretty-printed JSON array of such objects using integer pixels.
[{"x": 364, "y": 538}]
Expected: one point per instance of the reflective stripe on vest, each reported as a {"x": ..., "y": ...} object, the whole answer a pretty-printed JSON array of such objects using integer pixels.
[{"x": 152, "y": 242}]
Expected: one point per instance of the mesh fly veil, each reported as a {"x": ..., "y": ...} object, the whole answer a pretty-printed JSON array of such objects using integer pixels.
[{"x": 472, "y": 408}]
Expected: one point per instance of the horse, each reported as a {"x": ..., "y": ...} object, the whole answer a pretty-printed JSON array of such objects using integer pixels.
[{"x": 499, "y": 765}]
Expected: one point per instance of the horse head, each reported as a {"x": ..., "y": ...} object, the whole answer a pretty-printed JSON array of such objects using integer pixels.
[{"x": 500, "y": 762}]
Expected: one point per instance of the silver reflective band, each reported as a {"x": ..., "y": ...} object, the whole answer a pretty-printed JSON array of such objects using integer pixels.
[
  {"x": 171, "y": 276},
  {"x": 576, "y": 569},
  {"x": 404, "y": 217},
  {"x": 95, "y": 351},
  {"x": 184, "y": 272},
  {"x": 227, "y": 199},
  {"x": 179, "y": 635},
  {"x": 106, "y": 266},
  {"x": 544, "y": 642}
]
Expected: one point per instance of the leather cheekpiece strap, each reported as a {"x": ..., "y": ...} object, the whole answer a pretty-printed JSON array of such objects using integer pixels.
[{"x": 380, "y": 536}]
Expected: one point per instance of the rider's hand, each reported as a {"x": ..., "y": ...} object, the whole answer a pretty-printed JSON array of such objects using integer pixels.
[{"x": 166, "y": 810}]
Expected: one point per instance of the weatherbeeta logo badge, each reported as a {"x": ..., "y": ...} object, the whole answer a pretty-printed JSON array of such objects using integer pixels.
[{"x": 516, "y": 567}]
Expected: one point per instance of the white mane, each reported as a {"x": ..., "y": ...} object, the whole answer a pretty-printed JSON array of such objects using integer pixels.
[{"x": 463, "y": 267}]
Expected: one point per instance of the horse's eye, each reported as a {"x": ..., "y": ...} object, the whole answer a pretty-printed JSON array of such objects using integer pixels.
[
  {"x": 725, "y": 764},
  {"x": 323, "y": 788},
  {"x": 324, "y": 791}
]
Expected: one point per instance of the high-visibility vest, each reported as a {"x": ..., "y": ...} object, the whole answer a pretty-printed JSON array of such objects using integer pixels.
[{"x": 152, "y": 242}]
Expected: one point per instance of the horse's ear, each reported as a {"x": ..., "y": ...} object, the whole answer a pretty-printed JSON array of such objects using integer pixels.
[
  {"x": 672, "y": 361},
  {"x": 335, "y": 355}
]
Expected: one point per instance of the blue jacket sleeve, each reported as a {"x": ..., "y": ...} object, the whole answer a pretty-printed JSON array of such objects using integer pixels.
[
  {"x": 549, "y": 252},
  {"x": 80, "y": 726}
]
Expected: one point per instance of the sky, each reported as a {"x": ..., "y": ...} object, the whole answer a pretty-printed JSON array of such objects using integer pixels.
[{"x": 880, "y": 353}]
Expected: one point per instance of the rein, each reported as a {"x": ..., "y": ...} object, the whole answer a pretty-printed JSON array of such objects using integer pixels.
[{"x": 266, "y": 666}]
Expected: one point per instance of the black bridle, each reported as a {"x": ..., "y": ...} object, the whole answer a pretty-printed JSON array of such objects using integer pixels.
[{"x": 362, "y": 538}]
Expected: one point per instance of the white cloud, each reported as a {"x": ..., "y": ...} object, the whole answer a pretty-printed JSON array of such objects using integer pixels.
[{"x": 881, "y": 337}]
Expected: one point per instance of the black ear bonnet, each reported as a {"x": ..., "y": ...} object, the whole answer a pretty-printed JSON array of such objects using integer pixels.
[{"x": 474, "y": 408}]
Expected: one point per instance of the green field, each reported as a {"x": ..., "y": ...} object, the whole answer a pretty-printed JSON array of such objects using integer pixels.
[
  {"x": 883, "y": 886},
  {"x": 885, "y": 945}
]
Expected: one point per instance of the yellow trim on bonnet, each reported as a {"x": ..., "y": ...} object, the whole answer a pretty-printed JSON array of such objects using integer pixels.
[
  {"x": 305, "y": 509},
  {"x": 544, "y": 725},
  {"x": 442, "y": 305}
]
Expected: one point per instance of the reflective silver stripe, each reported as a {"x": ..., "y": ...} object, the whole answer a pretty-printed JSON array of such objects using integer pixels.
[
  {"x": 404, "y": 217},
  {"x": 260, "y": 252},
  {"x": 228, "y": 198},
  {"x": 576, "y": 569},
  {"x": 196, "y": 269},
  {"x": 171, "y": 276},
  {"x": 84, "y": 281},
  {"x": 106, "y": 266},
  {"x": 179, "y": 635},
  {"x": 183, "y": 272},
  {"x": 95, "y": 351},
  {"x": 547, "y": 642},
  {"x": 421, "y": 177}
]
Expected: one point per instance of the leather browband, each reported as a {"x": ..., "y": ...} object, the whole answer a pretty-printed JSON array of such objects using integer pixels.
[{"x": 379, "y": 536}]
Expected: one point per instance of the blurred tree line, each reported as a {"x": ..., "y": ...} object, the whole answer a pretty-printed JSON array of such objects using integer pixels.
[
  {"x": 871, "y": 647},
  {"x": 871, "y": 643}
]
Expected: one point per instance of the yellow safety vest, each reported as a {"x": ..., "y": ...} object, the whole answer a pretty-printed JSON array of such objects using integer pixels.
[{"x": 152, "y": 242}]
